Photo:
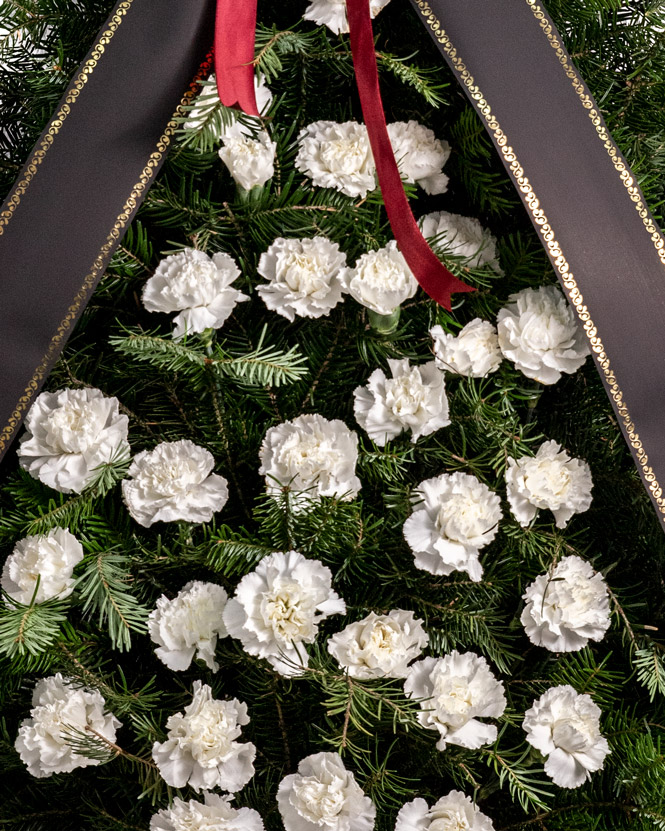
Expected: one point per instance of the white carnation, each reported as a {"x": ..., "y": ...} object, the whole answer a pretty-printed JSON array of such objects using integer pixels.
[
  {"x": 250, "y": 161},
  {"x": 455, "y": 515},
  {"x": 567, "y": 607},
  {"x": 551, "y": 479},
  {"x": 197, "y": 286},
  {"x": 190, "y": 623},
  {"x": 337, "y": 156},
  {"x": 413, "y": 399},
  {"x": 461, "y": 236},
  {"x": 60, "y": 713},
  {"x": 201, "y": 748},
  {"x": 304, "y": 277},
  {"x": 420, "y": 155},
  {"x": 332, "y": 13},
  {"x": 453, "y": 812},
  {"x": 174, "y": 482},
  {"x": 311, "y": 453},
  {"x": 214, "y": 814},
  {"x": 474, "y": 352},
  {"x": 541, "y": 334},
  {"x": 565, "y": 727},
  {"x": 324, "y": 794},
  {"x": 381, "y": 280},
  {"x": 69, "y": 434},
  {"x": 278, "y": 607},
  {"x": 460, "y": 689},
  {"x": 379, "y": 646},
  {"x": 207, "y": 103},
  {"x": 49, "y": 558}
]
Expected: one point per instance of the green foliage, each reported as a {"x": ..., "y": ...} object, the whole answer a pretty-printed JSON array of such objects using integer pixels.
[{"x": 224, "y": 390}]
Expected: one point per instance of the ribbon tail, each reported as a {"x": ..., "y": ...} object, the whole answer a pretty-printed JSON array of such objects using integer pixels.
[
  {"x": 429, "y": 271},
  {"x": 235, "y": 28}
]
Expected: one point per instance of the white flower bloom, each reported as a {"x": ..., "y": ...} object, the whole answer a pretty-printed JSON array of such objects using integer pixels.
[
  {"x": 474, "y": 352},
  {"x": 541, "y": 334},
  {"x": 461, "y": 236},
  {"x": 413, "y": 399},
  {"x": 197, "y": 286},
  {"x": 201, "y": 748},
  {"x": 69, "y": 433},
  {"x": 62, "y": 711},
  {"x": 379, "y": 646},
  {"x": 567, "y": 607},
  {"x": 174, "y": 482},
  {"x": 50, "y": 558},
  {"x": 311, "y": 453},
  {"x": 277, "y": 609},
  {"x": 453, "y": 812},
  {"x": 337, "y": 156},
  {"x": 208, "y": 101},
  {"x": 214, "y": 814},
  {"x": 460, "y": 689},
  {"x": 565, "y": 727},
  {"x": 332, "y": 13},
  {"x": 190, "y": 623},
  {"x": 304, "y": 277},
  {"x": 420, "y": 155},
  {"x": 455, "y": 515},
  {"x": 251, "y": 161},
  {"x": 324, "y": 794},
  {"x": 551, "y": 479},
  {"x": 381, "y": 280}
]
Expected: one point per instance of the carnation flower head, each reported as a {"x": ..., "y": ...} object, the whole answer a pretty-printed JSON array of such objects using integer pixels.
[
  {"x": 379, "y": 646},
  {"x": 338, "y": 156},
  {"x": 552, "y": 480},
  {"x": 332, "y": 13},
  {"x": 277, "y": 608},
  {"x": 565, "y": 727},
  {"x": 453, "y": 812},
  {"x": 413, "y": 399},
  {"x": 215, "y": 813},
  {"x": 61, "y": 711},
  {"x": 324, "y": 794},
  {"x": 69, "y": 434},
  {"x": 174, "y": 482},
  {"x": 201, "y": 748},
  {"x": 197, "y": 286},
  {"x": 420, "y": 155},
  {"x": 474, "y": 352},
  {"x": 49, "y": 558},
  {"x": 189, "y": 625},
  {"x": 304, "y": 277},
  {"x": 207, "y": 103},
  {"x": 454, "y": 516},
  {"x": 381, "y": 280},
  {"x": 311, "y": 454},
  {"x": 250, "y": 161},
  {"x": 460, "y": 689},
  {"x": 541, "y": 334},
  {"x": 461, "y": 236},
  {"x": 567, "y": 607}
]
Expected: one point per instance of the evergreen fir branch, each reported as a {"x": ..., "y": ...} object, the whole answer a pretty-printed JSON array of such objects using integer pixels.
[
  {"x": 649, "y": 661},
  {"x": 263, "y": 366},
  {"x": 103, "y": 589},
  {"x": 233, "y": 555},
  {"x": 422, "y": 80},
  {"x": 29, "y": 630},
  {"x": 529, "y": 790}
]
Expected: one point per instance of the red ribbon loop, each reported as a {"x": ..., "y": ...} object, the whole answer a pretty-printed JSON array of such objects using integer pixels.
[{"x": 234, "y": 53}]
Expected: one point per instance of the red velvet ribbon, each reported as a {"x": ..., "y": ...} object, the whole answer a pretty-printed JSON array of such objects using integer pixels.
[{"x": 234, "y": 54}]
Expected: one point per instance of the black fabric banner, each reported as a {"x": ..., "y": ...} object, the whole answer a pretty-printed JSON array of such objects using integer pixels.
[
  {"x": 607, "y": 250},
  {"x": 84, "y": 181}
]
